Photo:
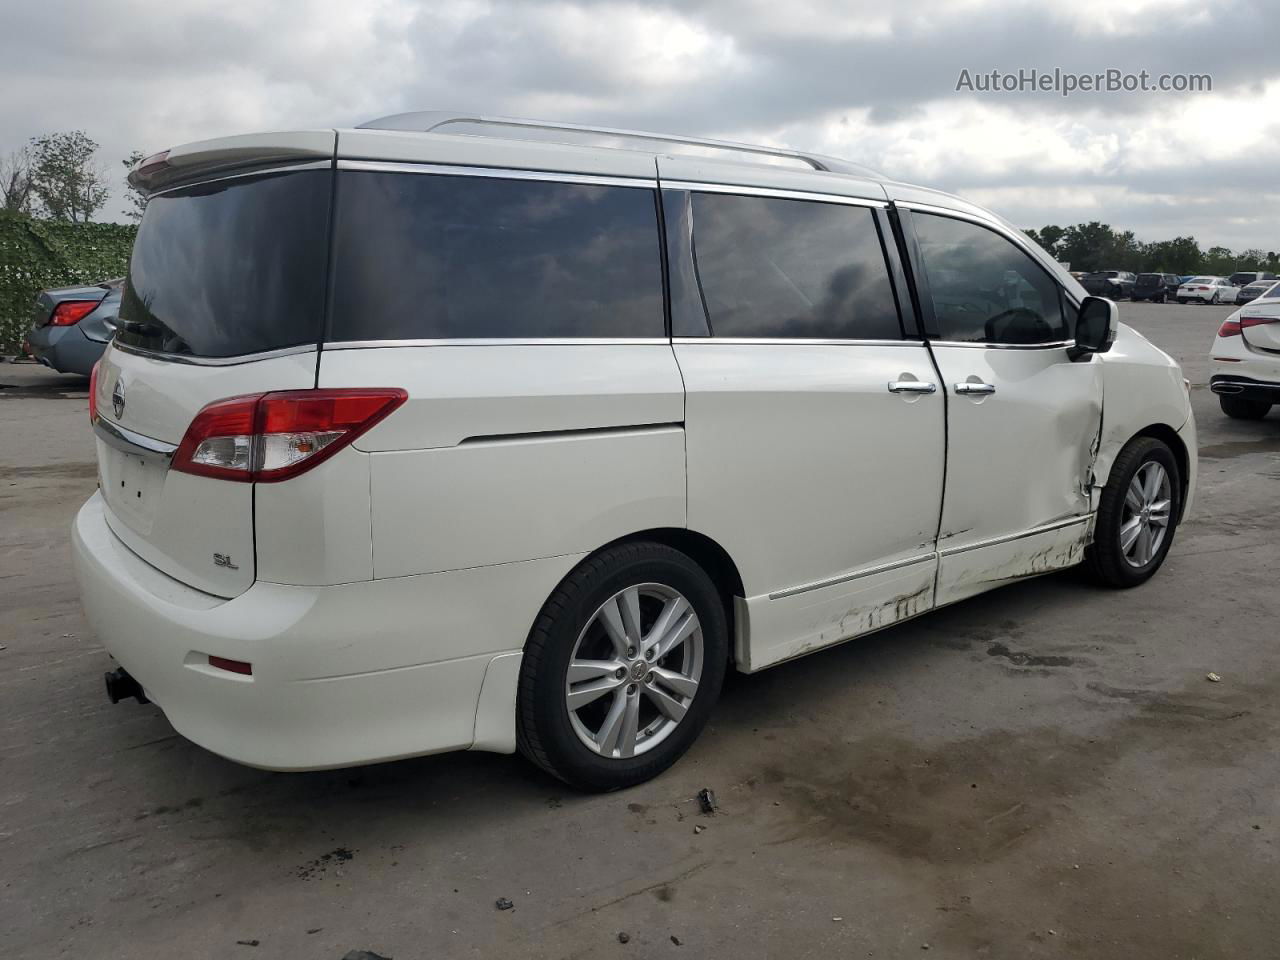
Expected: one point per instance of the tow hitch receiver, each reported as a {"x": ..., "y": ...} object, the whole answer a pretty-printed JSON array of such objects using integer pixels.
[{"x": 121, "y": 686}]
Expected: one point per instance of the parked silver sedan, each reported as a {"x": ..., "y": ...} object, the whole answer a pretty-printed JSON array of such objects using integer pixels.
[{"x": 72, "y": 326}]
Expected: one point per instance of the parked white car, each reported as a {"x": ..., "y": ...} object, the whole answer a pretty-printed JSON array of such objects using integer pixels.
[
  {"x": 1208, "y": 290},
  {"x": 1246, "y": 360},
  {"x": 485, "y": 457}
]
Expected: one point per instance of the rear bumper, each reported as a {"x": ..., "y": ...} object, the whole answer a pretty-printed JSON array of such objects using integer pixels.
[
  {"x": 65, "y": 349},
  {"x": 1233, "y": 385},
  {"x": 342, "y": 675}
]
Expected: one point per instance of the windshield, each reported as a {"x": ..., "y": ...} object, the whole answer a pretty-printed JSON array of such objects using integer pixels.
[{"x": 229, "y": 268}]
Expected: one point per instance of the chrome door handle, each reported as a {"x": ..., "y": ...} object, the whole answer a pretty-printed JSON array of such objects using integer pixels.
[
  {"x": 911, "y": 386},
  {"x": 975, "y": 388}
]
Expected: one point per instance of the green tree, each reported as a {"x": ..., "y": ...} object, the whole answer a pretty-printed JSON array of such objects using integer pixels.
[
  {"x": 1088, "y": 246},
  {"x": 136, "y": 201},
  {"x": 1218, "y": 260},
  {"x": 65, "y": 178},
  {"x": 15, "y": 181}
]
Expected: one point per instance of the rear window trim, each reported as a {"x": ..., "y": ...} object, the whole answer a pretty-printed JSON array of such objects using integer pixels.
[
  {"x": 268, "y": 167},
  {"x": 497, "y": 342},
  {"x": 215, "y": 361}
]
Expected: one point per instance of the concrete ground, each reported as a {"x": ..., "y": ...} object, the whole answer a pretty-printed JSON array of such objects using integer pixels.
[{"x": 1044, "y": 771}]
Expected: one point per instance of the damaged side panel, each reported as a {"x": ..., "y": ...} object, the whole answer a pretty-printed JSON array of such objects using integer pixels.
[
  {"x": 1020, "y": 464},
  {"x": 1143, "y": 388},
  {"x": 787, "y": 626}
]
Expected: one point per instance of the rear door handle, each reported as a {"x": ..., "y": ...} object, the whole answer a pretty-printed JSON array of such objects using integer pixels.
[
  {"x": 975, "y": 388},
  {"x": 911, "y": 386}
]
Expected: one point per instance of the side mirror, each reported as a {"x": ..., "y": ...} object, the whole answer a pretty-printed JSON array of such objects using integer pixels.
[{"x": 1095, "y": 327}]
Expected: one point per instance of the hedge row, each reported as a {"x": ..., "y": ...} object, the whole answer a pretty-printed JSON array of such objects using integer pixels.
[{"x": 37, "y": 254}]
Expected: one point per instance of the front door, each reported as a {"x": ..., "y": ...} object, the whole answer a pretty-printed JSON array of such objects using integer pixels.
[{"x": 1022, "y": 418}]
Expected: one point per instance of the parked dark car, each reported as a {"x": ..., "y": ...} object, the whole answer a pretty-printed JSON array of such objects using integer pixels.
[
  {"x": 73, "y": 325},
  {"x": 1156, "y": 287},
  {"x": 1245, "y": 277},
  {"x": 1253, "y": 290},
  {"x": 1114, "y": 284}
]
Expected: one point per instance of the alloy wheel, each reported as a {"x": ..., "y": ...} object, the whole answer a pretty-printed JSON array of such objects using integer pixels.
[
  {"x": 1145, "y": 521},
  {"x": 634, "y": 670}
]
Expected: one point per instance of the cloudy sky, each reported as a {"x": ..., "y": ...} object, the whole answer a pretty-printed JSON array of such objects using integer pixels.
[{"x": 870, "y": 80}]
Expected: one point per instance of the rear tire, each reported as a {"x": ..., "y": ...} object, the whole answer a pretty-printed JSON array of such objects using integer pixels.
[
  {"x": 1244, "y": 408},
  {"x": 646, "y": 711},
  {"x": 1137, "y": 516}
]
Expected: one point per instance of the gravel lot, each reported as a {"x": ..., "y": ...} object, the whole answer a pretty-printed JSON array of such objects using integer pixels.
[{"x": 1040, "y": 772}]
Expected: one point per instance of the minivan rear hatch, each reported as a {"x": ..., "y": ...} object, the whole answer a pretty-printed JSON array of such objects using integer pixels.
[{"x": 225, "y": 297}]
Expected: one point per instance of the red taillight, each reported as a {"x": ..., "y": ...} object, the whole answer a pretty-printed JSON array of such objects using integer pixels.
[
  {"x": 93, "y": 393},
  {"x": 70, "y": 312},
  {"x": 1246, "y": 322},
  {"x": 1233, "y": 328},
  {"x": 266, "y": 437},
  {"x": 231, "y": 666}
]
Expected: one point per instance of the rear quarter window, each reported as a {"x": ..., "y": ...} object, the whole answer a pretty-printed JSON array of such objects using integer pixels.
[
  {"x": 229, "y": 268},
  {"x": 433, "y": 256}
]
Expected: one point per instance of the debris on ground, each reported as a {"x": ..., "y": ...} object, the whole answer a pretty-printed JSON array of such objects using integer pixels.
[
  {"x": 502, "y": 903},
  {"x": 314, "y": 930},
  {"x": 248, "y": 943},
  {"x": 698, "y": 828},
  {"x": 1213, "y": 678},
  {"x": 836, "y": 919},
  {"x": 624, "y": 937},
  {"x": 314, "y": 869},
  {"x": 707, "y": 800},
  {"x": 364, "y": 955},
  {"x": 677, "y": 941}
]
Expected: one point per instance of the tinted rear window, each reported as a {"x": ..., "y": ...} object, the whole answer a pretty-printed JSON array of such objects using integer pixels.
[
  {"x": 230, "y": 268},
  {"x": 792, "y": 268},
  {"x": 426, "y": 256}
]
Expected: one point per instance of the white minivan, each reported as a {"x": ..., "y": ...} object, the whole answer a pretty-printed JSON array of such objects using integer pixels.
[{"x": 452, "y": 433}]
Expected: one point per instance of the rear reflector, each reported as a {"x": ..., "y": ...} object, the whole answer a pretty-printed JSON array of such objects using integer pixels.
[
  {"x": 267, "y": 437},
  {"x": 93, "y": 393},
  {"x": 70, "y": 312},
  {"x": 231, "y": 666}
]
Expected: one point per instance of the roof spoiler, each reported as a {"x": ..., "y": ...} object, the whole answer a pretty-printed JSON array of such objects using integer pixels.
[{"x": 208, "y": 159}]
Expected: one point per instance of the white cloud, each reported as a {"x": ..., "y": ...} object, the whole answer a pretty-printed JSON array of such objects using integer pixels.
[{"x": 863, "y": 79}]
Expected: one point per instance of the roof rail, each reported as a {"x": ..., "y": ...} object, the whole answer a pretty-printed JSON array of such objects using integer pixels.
[{"x": 430, "y": 121}]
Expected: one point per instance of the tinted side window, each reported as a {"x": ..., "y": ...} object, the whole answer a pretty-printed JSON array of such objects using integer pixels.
[
  {"x": 985, "y": 289},
  {"x": 423, "y": 256},
  {"x": 792, "y": 268},
  {"x": 229, "y": 268}
]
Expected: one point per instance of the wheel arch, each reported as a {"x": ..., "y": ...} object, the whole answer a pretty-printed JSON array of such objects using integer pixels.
[
  {"x": 1170, "y": 438},
  {"x": 704, "y": 551}
]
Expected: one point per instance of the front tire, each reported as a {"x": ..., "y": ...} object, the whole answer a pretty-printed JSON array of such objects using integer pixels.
[
  {"x": 622, "y": 667},
  {"x": 1213, "y": 301},
  {"x": 1137, "y": 516},
  {"x": 1244, "y": 408}
]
